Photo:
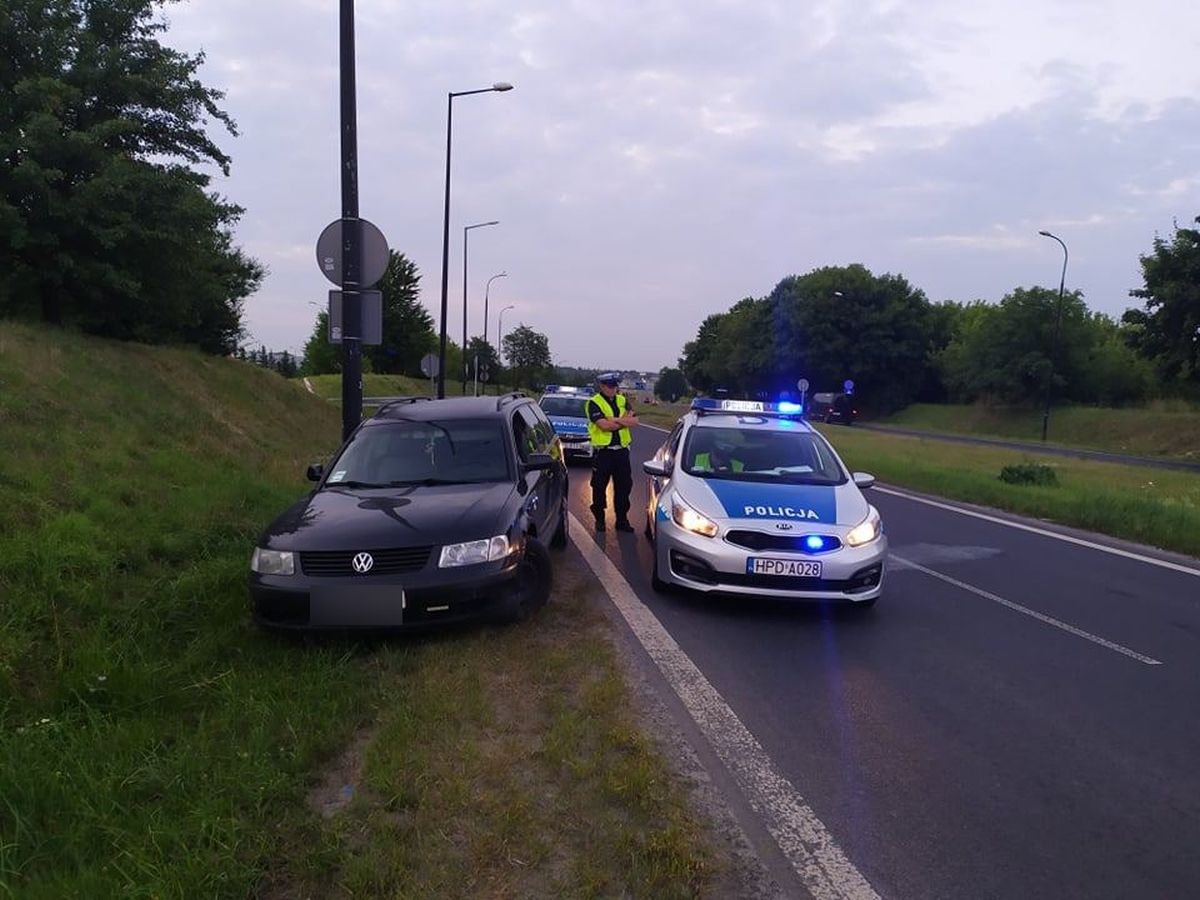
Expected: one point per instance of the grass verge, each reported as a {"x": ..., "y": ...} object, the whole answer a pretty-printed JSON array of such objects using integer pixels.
[
  {"x": 1164, "y": 428},
  {"x": 1151, "y": 506},
  {"x": 153, "y": 743}
]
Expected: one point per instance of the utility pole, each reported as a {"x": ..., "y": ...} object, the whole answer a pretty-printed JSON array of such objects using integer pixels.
[{"x": 351, "y": 233}]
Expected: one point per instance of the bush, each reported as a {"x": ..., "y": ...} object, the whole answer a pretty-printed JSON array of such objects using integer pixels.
[{"x": 1029, "y": 473}]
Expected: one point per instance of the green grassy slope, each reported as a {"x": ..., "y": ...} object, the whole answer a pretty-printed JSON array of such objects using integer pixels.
[{"x": 1161, "y": 429}]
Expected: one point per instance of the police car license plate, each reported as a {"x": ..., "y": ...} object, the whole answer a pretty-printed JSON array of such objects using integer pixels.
[{"x": 796, "y": 568}]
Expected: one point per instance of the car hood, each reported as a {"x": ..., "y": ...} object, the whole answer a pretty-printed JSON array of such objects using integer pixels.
[
  {"x": 354, "y": 519},
  {"x": 569, "y": 425},
  {"x": 750, "y": 503}
]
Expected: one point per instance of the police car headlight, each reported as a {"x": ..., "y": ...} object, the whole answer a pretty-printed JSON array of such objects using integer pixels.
[
  {"x": 687, "y": 518},
  {"x": 867, "y": 530},
  {"x": 273, "y": 562}
]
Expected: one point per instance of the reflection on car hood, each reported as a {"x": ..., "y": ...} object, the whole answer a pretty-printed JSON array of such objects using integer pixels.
[
  {"x": 805, "y": 505},
  {"x": 357, "y": 518}
]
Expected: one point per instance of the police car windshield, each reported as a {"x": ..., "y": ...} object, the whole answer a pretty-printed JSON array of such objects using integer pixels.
[
  {"x": 758, "y": 454},
  {"x": 564, "y": 405}
]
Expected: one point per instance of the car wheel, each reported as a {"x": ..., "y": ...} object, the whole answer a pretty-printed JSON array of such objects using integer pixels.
[
  {"x": 559, "y": 541},
  {"x": 657, "y": 583},
  {"x": 532, "y": 587}
]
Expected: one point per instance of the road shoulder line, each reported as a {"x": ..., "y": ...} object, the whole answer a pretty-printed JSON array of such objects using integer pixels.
[{"x": 804, "y": 840}]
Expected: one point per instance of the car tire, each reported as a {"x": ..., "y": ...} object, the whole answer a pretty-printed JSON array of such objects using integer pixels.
[
  {"x": 657, "y": 583},
  {"x": 534, "y": 578},
  {"x": 559, "y": 541}
]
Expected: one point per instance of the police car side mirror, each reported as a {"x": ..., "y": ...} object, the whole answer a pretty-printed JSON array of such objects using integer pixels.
[
  {"x": 864, "y": 480},
  {"x": 656, "y": 468},
  {"x": 315, "y": 471}
]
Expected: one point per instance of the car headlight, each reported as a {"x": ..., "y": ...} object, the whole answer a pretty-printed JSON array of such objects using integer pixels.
[
  {"x": 273, "y": 562},
  {"x": 472, "y": 552},
  {"x": 867, "y": 530},
  {"x": 687, "y": 518}
]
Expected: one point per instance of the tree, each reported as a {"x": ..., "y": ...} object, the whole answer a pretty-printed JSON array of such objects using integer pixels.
[
  {"x": 528, "y": 356},
  {"x": 320, "y": 356},
  {"x": 1167, "y": 330},
  {"x": 671, "y": 384},
  {"x": 108, "y": 229},
  {"x": 407, "y": 326}
]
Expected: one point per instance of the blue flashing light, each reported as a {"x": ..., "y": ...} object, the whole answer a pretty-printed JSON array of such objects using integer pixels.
[
  {"x": 716, "y": 404},
  {"x": 814, "y": 542},
  {"x": 787, "y": 408}
]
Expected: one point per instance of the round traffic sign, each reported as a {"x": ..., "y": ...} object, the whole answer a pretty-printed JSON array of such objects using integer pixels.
[
  {"x": 429, "y": 365},
  {"x": 483, "y": 373},
  {"x": 848, "y": 386},
  {"x": 802, "y": 385},
  {"x": 374, "y": 253}
]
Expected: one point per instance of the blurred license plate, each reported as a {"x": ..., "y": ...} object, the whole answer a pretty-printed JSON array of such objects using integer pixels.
[
  {"x": 796, "y": 568},
  {"x": 362, "y": 605}
]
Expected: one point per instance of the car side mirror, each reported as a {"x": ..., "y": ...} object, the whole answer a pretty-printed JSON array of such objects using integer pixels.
[
  {"x": 864, "y": 480},
  {"x": 315, "y": 471},
  {"x": 657, "y": 468},
  {"x": 537, "y": 461}
]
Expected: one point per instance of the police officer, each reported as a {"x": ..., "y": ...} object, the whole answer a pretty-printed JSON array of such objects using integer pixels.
[{"x": 609, "y": 421}]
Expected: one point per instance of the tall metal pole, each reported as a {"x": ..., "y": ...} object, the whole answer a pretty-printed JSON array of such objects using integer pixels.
[
  {"x": 351, "y": 233},
  {"x": 466, "y": 231},
  {"x": 498, "y": 86},
  {"x": 441, "y": 377},
  {"x": 500, "y": 343},
  {"x": 1054, "y": 343},
  {"x": 487, "y": 290}
]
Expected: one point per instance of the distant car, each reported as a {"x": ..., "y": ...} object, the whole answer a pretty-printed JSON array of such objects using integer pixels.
[
  {"x": 833, "y": 409},
  {"x": 745, "y": 497},
  {"x": 564, "y": 405},
  {"x": 432, "y": 511}
]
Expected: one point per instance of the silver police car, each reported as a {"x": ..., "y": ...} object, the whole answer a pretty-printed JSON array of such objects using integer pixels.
[{"x": 745, "y": 497}]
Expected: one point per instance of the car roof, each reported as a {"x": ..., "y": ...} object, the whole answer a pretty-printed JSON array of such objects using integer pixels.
[
  {"x": 426, "y": 408},
  {"x": 750, "y": 421}
]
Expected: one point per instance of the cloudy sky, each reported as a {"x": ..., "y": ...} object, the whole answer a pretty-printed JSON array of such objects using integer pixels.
[{"x": 659, "y": 160}]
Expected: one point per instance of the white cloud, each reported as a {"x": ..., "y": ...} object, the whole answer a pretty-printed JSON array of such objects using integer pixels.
[{"x": 659, "y": 161}]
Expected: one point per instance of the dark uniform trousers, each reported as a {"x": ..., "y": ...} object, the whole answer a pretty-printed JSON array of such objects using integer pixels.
[{"x": 612, "y": 464}]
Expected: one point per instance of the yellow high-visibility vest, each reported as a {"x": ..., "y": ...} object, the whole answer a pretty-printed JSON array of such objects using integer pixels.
[{"x": 600, "y": 437}]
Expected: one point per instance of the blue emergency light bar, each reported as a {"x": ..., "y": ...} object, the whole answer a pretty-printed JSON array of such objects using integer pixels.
[
  {"x": 562, "y": 389},
  {"x": 710, "y": 405}
]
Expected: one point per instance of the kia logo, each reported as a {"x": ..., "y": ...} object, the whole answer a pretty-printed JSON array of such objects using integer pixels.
[
  {"x": 362, "y": 563},
  {"x": 784, "y": 526}
]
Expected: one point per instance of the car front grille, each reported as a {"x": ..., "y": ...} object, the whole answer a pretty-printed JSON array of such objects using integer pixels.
[
  {"x": 338, "y": 563},
  {"x": 759, "y": 540}
]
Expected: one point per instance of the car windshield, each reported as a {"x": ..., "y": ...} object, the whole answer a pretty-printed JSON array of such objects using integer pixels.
[
  {"x": 756, "y": 454},
  {"x": 565, "y": 405},
  {"x": 399, "y": 453}
]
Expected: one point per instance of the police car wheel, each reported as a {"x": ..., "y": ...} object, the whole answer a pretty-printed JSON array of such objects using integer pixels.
[{"x": 657, "y": 583}]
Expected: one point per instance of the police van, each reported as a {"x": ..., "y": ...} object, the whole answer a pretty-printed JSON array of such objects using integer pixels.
[{"x": 564, "y": 407}]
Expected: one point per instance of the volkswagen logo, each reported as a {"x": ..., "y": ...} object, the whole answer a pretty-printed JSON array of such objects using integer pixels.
[
  {"x": 362, "y": 563},
  {"x": 784, "y": 526}
]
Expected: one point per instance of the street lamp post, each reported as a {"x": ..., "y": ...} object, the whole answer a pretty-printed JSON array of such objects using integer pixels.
[
  {"x": 466, "y": 231},
  {"x": 1054, "y": 342},
  {"x": 498, "y": 86},
  {"x": 500, "y": 339},
  {"x": 487, "y": 288}
]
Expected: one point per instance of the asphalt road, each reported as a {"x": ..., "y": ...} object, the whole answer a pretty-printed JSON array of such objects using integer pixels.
[{"x": 1018, "y": 717}]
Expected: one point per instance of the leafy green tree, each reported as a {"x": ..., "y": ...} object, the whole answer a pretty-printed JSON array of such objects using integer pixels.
[
  {"x": 528, "y": 355},
  {"x": 107, "y": 228},
  {"x": 1167, "y": 330},
  {"x": 407, "y": 326},
  {"x": 671, "y": 385},
  {"x": 320, "y": 356},
  {"x": 838, "y": 323}
]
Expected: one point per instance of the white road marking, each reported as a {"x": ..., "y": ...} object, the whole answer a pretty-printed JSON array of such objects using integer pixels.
[
  {"x": 1091, "y": 545},
  {"x": 655, "y": 427},
  {"x": 803, "y": 838},
  {"x": 1041, "y": 617}
]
